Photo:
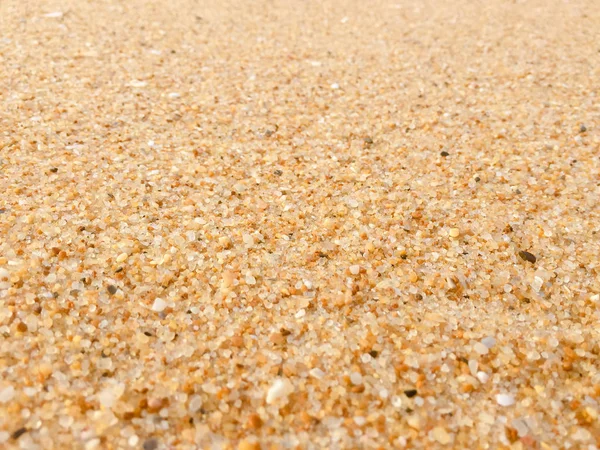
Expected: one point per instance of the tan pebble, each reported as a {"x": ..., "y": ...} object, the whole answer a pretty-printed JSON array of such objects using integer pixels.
[
  {"x": 227, "y": 279},
  {"x": 414, "y": 422},
  {"x": 511, "y": 434},
  {"x": 45, "y": 370},
  {"x": 122, "y": 257},
  {"x": 225, "y": 242},
  {"x": 246, "y": 444},
  {"x": 237, "y": 341},
  {"x": 280, "y": 389},
  {"x": 305, "y": 418},
  {"x": 289, "y": 369},
  {"x": 154, "y": 404},
  {"x": 480, "y": 348},
  {"x": 92, "y": 444},
  {"x": 159, "y": 305},
  {"x": 277, "y": 338},
  {"x": 254, "y": 422},
  {"x": 466, "y": 388},
  {"x": 454, "y": 232},
  {"x": 441, "y": 435}
]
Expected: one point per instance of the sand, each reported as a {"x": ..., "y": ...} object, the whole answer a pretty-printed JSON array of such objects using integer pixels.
[{"x": 298, "y": 224}]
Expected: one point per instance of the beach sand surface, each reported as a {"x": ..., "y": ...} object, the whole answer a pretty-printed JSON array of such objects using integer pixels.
[{"x": 308, "y": 225}]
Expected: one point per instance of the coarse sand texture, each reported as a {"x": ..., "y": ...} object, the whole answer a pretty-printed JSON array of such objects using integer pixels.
[{"x": 299, "y": 224}]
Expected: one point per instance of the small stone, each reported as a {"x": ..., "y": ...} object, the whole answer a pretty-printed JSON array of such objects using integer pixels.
[
  {"x": 108, "y": 396},
  {"x": 353, "y": 203},
  {"x": 17, "y": 434},
  {"x": 445, "y": 153},
  {"x": 537, "y": 283},
  {"x": 355, "y": 269},
  {"x": 356, "y": 378},
  {"x": 582, "y": 435},
  {"x": 227, "y": 279},
  {"x": 317, "y": 373},
  {"x": 454, "y": 232},
  {"x": 582, "y": 128},
  {"x": 54, "y": 15},
  {"x": 280, "y": 389},
  {"x": 414, "y": 422},
  {"x": 254, "y": 422},
  {"x": 511, "y": 434},
  {"x": 122, "y": 257},
  {"x": 137, "y": 83},
  {"x": 360, "y": 421},
  {"x": 481, "y": 348},
  {"x": 246, "y": 444},
  {"x": 278, "y": 172},
  {"x": 150, "y": 444},
  {"x": 112, "y": 290},
  {"x": 7, "y": 394},
  {"x": 526, "y": 256},
  {"x": 92, "y": 444},
  {"x": 473, "y": 365},
  {"x": 65, "y": 421},
  {"x": 368, "y": 140},
  {"x": 54, "y": 170},
  {"x": 505, "y": 399},
  {"x": 521, "y": 427},
  {"x": 195, "y": 404},
  {"x": 277, "y": 338},
  {"x": 441, "y": 435},
  {"x": 45, "y": 370},
  {"x": 488, "y": 341},
  {"x": 159, "y": 305},
  {"x": 482, "y": 377},
  {"x": 410, "y": 393}
]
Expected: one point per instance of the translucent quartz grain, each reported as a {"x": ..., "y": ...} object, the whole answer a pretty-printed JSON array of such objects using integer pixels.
[
  {"x": 505, "y": 399},
  {"x": 279, "y": 224}
]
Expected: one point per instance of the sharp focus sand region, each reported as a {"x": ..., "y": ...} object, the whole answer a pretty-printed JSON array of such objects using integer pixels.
[{"x": 299, "y": 224}]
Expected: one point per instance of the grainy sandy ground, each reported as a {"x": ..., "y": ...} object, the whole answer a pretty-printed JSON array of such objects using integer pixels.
[{"x": 299, "y": 224}]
